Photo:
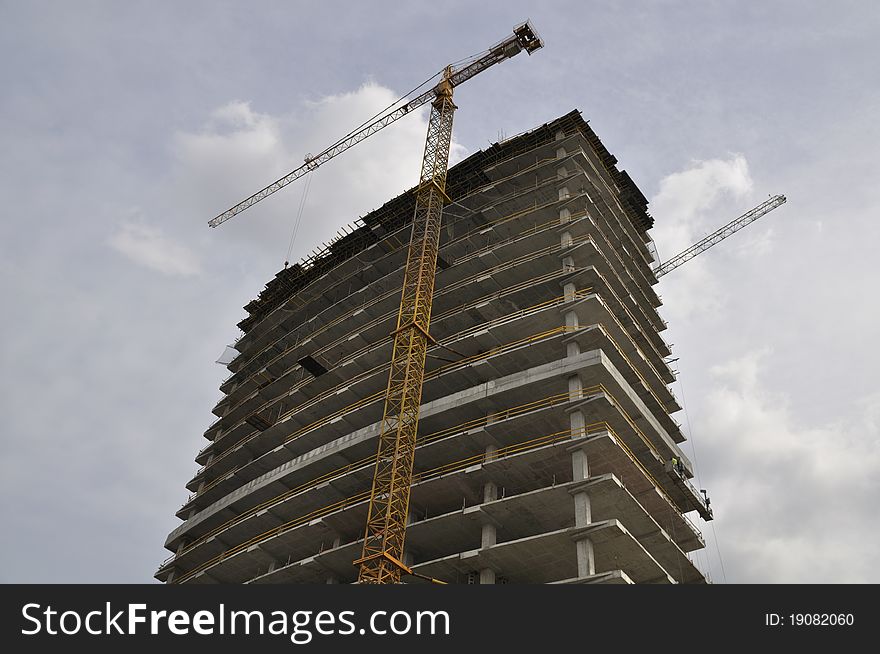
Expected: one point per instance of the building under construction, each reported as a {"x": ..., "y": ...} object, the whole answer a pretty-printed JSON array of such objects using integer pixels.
[{"x": 546, "y": 448}]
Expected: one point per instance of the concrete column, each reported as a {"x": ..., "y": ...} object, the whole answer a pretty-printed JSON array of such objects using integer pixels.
[
  {"x": 572, "y": 349},
  {"x": 564, "y": 215},
  {"x": 564, "y": 193},
  {"x": 488, "y": 538},
  {"x": 569, "y": 291},
  {"x": 560, "y": 153},
  {"x": 568, "y": 264},
  {"x": 566, "y": 239},
  {"x": 489, "y": 533},
  {"x": 586, "y": 558},
  {"x": 561, "y": 173},
  {"x": 577, "y": 423},
  {"x": 583, "y": 510}
]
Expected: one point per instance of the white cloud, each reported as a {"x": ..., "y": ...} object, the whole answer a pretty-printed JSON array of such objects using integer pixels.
[
  {"x": 236, "y": 146},
  {"x": 790, "y": 468},
  {"x": 789, "y": 494},
  {"x": 690, "y": 205},
  {"x": 149, "y": 247},
  {"x": 755, "y": 244}
]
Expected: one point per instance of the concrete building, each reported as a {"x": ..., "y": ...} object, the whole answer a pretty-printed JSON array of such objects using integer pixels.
[{"x": 546, "y": 441}]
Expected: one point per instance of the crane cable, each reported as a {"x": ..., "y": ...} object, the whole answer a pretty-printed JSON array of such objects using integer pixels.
[{"x": 299, "y": 213}]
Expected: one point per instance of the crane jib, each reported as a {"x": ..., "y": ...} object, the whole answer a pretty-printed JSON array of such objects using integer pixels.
[{"x": 720, "y": 234}]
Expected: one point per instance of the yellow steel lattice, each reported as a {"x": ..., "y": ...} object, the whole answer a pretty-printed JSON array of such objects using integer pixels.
[{"x": 389, "y": 499}]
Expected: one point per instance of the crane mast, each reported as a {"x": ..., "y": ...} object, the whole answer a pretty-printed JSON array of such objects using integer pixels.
[
  {"x": 382, "y": 560},
  {"x": 389, "y": 500}
]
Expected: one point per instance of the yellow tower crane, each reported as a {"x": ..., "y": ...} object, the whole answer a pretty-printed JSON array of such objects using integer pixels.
[{"x": 382, "y": 560}]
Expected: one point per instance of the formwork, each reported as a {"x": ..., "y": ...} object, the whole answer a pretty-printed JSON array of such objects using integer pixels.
[{"x": 546, "y": 434}]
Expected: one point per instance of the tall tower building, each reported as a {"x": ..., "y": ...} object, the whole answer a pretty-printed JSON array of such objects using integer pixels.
[{"x": 546, "y": 444}]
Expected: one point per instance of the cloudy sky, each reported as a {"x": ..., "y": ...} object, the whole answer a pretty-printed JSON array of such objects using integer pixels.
[{"x": 126, "y": 126}]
